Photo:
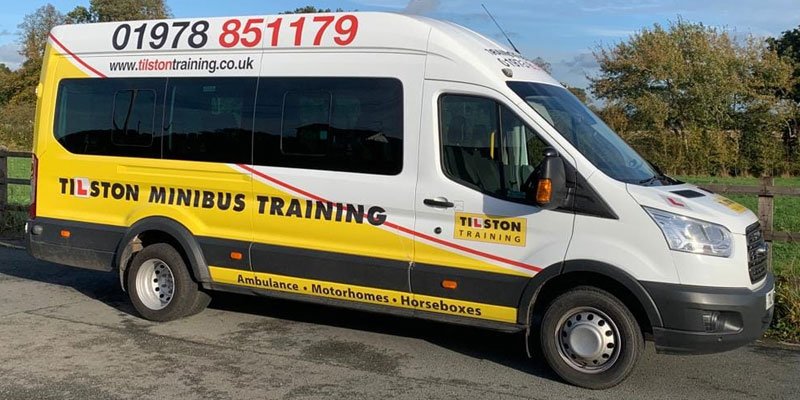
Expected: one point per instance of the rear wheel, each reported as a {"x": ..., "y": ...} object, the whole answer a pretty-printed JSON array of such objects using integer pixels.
[
  {"x": 160, "y": 286},
  {"x": 590, "y": 339}
]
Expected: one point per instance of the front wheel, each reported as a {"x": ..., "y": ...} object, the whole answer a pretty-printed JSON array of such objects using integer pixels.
[
  {"x": 590, "y": 339},
  {"x": 160, "y": 286}
]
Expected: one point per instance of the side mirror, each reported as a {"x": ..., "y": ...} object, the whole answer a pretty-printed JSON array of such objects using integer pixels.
[{"x": 550, "y": 188}]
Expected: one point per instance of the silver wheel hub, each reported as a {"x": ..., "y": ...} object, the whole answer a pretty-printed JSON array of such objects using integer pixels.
[
  {"x": 155, "y": 284},
  {"x": 588, "y": 340}
]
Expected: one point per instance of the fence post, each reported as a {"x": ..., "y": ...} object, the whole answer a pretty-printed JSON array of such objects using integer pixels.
[
  {"x": 3, "y": 176},
  {"x": 765, "y": 213}
]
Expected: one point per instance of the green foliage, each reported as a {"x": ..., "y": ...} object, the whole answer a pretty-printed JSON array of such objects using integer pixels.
[
  {"x": 786, "y": 322},
  {"x": 788, "y": 45},
  {"x": 694, "y": 100},
  {"x": 79, "y": 15},
  {"x": 34, "y": 30},
  {"x": 578, "y": 92},
  {"x": 16, "y": 125},
  {"x": 12, "y": 222},
  {"x": 310, "y": 10},
  {"x": 119, "y": 10}
]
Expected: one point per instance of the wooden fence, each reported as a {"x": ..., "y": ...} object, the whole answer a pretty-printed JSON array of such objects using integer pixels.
[
  {"x": 765, "y": 190},
  {"x": 5, "y": 180}
]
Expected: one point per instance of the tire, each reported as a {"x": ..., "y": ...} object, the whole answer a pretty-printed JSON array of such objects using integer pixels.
[
  {"x": 590, "y": 339},
  {"x": 160, "y": 286}
]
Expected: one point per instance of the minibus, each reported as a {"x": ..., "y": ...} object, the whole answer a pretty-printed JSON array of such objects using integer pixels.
[{"x": 383, "y": 162}]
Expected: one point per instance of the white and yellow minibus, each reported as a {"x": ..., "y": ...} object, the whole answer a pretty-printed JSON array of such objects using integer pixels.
[{"x": 383, "y": 162}]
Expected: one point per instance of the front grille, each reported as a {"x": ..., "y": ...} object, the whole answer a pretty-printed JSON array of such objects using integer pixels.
[{"x": 756, "y": 253}]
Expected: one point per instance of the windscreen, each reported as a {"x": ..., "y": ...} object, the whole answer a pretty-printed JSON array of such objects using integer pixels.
[{"x": 587, "y": 133}]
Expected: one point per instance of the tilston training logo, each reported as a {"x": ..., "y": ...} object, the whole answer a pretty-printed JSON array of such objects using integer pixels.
[{"x": 484, "y": 228}]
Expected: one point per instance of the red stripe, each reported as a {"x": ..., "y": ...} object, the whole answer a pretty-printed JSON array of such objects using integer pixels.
[
  {"x": 89, "y": 67},
  {"x": 398, "y": 227}
]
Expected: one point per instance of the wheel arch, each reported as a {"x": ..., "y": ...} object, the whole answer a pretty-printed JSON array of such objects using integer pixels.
[
  {"x": 557, "y": 278},
  {"x": 159, "y": 229}
]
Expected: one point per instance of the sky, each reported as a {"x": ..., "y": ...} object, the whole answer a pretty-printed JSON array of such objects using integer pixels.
[{"x": 563, "y": 32}]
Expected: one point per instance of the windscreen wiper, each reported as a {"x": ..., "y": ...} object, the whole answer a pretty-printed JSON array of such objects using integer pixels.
[{"x": 650, "y": 180}]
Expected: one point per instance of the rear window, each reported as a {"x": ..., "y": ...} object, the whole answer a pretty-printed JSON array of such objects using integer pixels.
[{"x": 118, "y": 117}]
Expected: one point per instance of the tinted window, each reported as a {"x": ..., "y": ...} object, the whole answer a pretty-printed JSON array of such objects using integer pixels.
[
  {"x": 116, "y": 117},
  {"x": 306, "y": 123},
  {"x": 339, "y": 124},
  {"x": 134, "y": 114},
  {"x": 486, "y": 147},
  {"x": 209, "y": 119}
]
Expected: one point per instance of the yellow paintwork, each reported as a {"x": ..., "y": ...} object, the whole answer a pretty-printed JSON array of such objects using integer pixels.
[{"x": 248, "y": 225}]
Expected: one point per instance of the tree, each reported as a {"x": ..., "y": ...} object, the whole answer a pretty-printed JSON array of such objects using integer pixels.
[
  {"x": 79, "y": 15},
  {"x": 34, "y": 30},
  {"x": 698, "y": 100},
  {"x": 578, "y": 92},
  {"x": 119, "y": 10},
  {"x": 788, "y": 45},
  {"x": 310, "y": 10},
  {"x": 18, "y": 87}
]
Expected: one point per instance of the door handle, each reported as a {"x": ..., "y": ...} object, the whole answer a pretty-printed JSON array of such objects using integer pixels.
[{"x": 438, "y": 202}]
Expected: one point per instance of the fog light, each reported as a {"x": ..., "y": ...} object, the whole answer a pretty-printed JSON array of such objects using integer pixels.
[{"x": 711, "y": 321}]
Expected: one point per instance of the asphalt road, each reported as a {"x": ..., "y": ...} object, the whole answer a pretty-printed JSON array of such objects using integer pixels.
[{"x": 70, "y": 334}]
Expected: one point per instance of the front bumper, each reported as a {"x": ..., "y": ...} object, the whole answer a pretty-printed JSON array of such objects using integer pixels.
[{"x": 701, "y": 320}]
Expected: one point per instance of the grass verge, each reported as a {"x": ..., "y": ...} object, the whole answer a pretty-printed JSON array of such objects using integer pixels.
[
  {"x": 12, "y": 223},
  {"x": 786, "y": 322}
]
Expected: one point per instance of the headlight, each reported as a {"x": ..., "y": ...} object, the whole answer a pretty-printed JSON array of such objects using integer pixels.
[{"x": 691, "y": 235}]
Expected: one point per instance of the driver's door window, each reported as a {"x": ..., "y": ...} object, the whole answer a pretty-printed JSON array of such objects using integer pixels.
[{"x": 486, "y": 147}]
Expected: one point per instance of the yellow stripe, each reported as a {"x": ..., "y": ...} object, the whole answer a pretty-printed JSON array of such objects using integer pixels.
[{"x": 363, "y": 294}]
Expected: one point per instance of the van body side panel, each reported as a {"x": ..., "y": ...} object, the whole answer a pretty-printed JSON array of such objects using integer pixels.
[
  {"x": 320, "y": 217},
  {"x": 77, "y": 183},
  {"x": 490, "y": 246},
  {"x": 316, "y": 232}
]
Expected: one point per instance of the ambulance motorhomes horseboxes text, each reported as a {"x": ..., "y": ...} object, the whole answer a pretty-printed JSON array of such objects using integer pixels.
[{"x": 383, "y": 162}]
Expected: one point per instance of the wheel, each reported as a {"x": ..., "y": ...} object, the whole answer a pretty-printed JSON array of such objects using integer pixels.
[
  {"x": 160, "y": 287},
  {"x": 590, "y": 339}
]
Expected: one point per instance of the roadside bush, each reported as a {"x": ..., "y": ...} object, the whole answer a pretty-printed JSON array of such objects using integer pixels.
[
  {"x": 16, "y": 126},
  {"x": 786, "y": 322},
  {"x": 12, "y": 224}
]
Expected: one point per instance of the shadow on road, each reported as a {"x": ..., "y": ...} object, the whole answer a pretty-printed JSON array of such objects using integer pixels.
[
  {"x": 498, "y": 347},
  {"x": 502, "y": 348},
  {"x": 102, "y": 286}
]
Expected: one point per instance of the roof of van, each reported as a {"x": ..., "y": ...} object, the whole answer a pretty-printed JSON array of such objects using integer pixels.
[{"x": 455, "y": 52}]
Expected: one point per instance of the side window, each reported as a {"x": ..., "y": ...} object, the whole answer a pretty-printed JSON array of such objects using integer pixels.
[
  {"x": 306, "y": 123},
  {"x": 469, "y": 137},
  {"x": 335, "y": 124},
  {"x": 209, "y": 119},
  {"x": 522, "y": 150},
  {"x": 110, "y": 117},
  {"x": 134, "y": 114},
  {"x": 486, "y": 147}
]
